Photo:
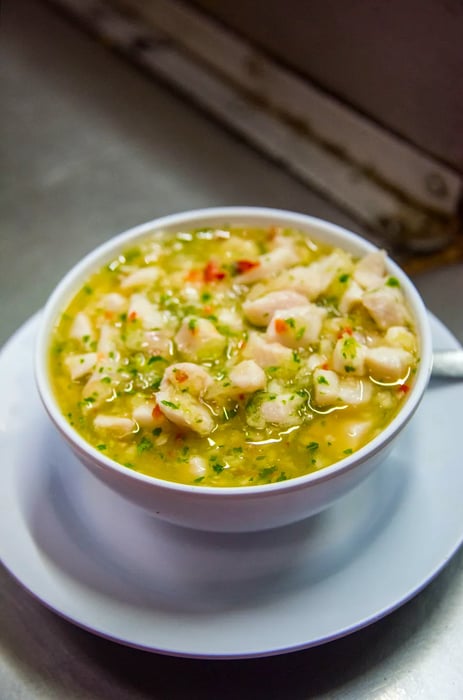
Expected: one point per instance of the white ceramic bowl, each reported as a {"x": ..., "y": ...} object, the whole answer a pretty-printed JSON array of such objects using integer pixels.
[{"x": 231, "y": 509}]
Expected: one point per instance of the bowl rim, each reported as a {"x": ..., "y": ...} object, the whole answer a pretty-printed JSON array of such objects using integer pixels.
[{"x": 76, "y": 275}]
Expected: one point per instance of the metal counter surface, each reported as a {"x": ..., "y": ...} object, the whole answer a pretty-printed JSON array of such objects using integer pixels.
[{"x": 88, "y": 148}]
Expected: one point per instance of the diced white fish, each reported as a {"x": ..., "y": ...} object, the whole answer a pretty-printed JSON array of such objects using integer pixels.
[
  {"x": 265, "y": 353},
  {"x": 314, "y": 279},
  {"x": 187, "y": 376},
  {"x": 370, "y": 271},
  {"x": 349, "y": 356},
  {"x": 296, "y": 327},
  {"x": 143, "y": 414},
  {"x": 81, "y": 328},
  {"x": 352, "y": 296},
  {"x": 140, "y": 278},
  {"x": 400, "y": 337},
  {"x": 185, "y": 411},
  {"x": 198, "y": 339},
  {"x": 117, "y": 426},
  {"x": 326, "y": 386},
  {"x": 80, "y": 365},
  {"x": 198, "y": 466},
  {"x": 157, "y": 343},
  {"x": 260, "y": 311},
  {"x": 247, "y": 376},
  {"x": 386, "y": 307},
  {"x": 117, "y": 303},
  {"x": 387, "y": 363},
  {"x": 282, "y": 410},
  {"x": 96, "y": 391},
  {"x": 107, "y": 342},
  {"x": 141, "y": 309},
  {"x": 354, "y": 391},
  {"x": 230, "y": 318},
  {"x": 315, "y": 360},
  {"x": 269, "y": 264}
]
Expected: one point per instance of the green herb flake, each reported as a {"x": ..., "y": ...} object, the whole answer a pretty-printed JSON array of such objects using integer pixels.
[
  {"x": 343, "y": 278},
  {"x": 192, "y": 323},
  {"x": 322, "y": 380},
  {"x": 296, "y": 357},
  {"x": 312, "y": 446},
  {"x": 290, "y": 322},
  {"x": 392, "y": 282},
  {"x": 154, "y": 358},
  {"x": 106, "y": 380},
  {"x": 348, "y": 451},
  {"x": 156, "y": 431},
  {"x": 349, "y": 368},
  {"x": 144, "y": 445},
  {"x": 170, "y": 404},
  {"x": 218, "y": 468},
  {"x": 101, "y": 447}
]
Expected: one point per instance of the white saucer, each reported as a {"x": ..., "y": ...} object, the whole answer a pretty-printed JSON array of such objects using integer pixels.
[{"x": 108, "y": 567}]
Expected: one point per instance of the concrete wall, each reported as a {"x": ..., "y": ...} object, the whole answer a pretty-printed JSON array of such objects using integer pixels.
[{"x": 401, "y": 63}]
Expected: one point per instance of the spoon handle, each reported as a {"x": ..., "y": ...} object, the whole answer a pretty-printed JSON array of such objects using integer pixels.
[{"x": 448, "y": 363}]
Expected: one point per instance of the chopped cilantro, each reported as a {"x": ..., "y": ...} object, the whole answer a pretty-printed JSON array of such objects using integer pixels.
[
  {"x": 170, "y": 404},
  {"x": 312, "y": 446},
  {"x": 392, "y": 282},
  {"x": 192, "y": 323},
  {"x": 106, "y": 380},
  {"x": 101, "y": 447},
  {"x": 156, "y": 431},
  {"x": 153, "y": 359},
  {"x": 144, "y": 445},
  {"x": 343, "y": 278},
  {"x": 290, "y": 322},
  {"x": 348, "y": 451},
  {"x": 349, "y": 368},
  {"x": 322, "y": 380},
  {"x": 218, "y": 468}
]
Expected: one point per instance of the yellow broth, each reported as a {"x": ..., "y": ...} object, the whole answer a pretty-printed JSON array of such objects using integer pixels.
[{"x": 113, "y": 346}]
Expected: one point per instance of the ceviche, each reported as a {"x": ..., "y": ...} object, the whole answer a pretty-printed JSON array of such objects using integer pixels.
[{"x": 234, "y": 356}]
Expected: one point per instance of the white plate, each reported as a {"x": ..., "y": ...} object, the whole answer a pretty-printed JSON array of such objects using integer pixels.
[{"x": 108, "y": 567}]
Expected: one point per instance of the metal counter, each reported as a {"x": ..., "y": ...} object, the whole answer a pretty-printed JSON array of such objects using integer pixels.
[{"x": 89, "y": 147}]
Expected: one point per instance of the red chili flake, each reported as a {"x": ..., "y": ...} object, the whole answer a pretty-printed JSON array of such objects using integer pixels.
[
  {"x": 325, "y": 366},
  {"x": 212, "y": 272},
  {"x": 181, "y": 376},
  {"x": 156, "y": 412},
  {"x": 246, "y": 265},
  {"x": 208, "y": 310},
  {"x": 280, "y": 325},
  {"x": 132, "y": 315},
  {"x": 109, "y": 315},
  {"x": 241, "y": 397},
  {"x": 404, "y": 388},
  {"x": 345, "y": 331}
]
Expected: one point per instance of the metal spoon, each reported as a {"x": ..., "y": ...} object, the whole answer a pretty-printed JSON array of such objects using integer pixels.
[{"x": 448, "y": 364}]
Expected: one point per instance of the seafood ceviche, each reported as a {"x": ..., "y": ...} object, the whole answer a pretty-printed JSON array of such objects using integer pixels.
[{"x": 234, "y": 356}]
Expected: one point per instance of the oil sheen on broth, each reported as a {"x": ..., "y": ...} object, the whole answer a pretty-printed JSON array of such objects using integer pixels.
[{"x": 233, "y": 356}]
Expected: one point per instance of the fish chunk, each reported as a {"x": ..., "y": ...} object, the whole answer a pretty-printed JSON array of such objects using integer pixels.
[
  {"x": 118, "y": 426},
  {"x": 282, "y": 410},
  {"x": 260, "y": 311},
  {"x": 140, "y": 278},
  {"x": 247, "y": 376},
  {"x": 352, "y": 296},
  {"x": 388, "y": 364},
  {"x": 370, "y": 271},
  {"x": 326, "y": 386},
  {"x": 349, "y": 356},
  {"x": 386, "y": 307},
  {"x": 141, "y": 309},
  {"x": 296, "y": 327},
  {"x": 198, "y": 339},
  {"x": 314, "y": 279},
  {"x": 265, "y": 353},
  {"x": 269, "y": 264},
  {"x": 185, "y": 411},
  {"x": 81, "y": 328},
  {"x": 80, "y": 365},
  {"x": 187, "y": 376}
]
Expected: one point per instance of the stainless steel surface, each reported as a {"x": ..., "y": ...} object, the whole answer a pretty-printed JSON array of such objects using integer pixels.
[
  {"x": 90, "y": 147},
  {"x": 448, "y": 364}
]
